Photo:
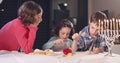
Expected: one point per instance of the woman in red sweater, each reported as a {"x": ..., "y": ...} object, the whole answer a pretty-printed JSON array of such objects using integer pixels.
[{"x": 20, "y": 33}]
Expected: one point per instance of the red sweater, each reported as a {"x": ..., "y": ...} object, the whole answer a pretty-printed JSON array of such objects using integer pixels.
[{"x": 15, "y": 35}]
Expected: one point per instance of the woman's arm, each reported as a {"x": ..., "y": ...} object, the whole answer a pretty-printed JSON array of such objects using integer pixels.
[{"x": 26, "y": 38}]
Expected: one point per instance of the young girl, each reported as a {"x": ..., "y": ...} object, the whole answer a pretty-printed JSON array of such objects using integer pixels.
[{"x": 61, "y": 38}]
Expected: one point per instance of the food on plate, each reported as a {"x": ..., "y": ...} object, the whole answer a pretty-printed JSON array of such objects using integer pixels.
[
  {"x": 49, "y": 52},
  {"x": 37, "y": 51},
  {"x": 43, "y": 52}
]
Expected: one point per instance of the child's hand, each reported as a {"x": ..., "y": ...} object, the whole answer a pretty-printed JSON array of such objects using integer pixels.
[
  {"x": 97, "y": 50},
  {"x": 58, "y": 41},
  {"x": 76, "y": 36},
  {"x": 88, "y": 52}
]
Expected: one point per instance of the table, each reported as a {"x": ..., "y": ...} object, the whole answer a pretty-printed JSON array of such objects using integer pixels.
[{"x": 78, "y": 57}]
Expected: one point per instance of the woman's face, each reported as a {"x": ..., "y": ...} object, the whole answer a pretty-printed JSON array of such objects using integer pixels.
[
  {"x": 93, "y": 30},
  {"x": 38, "y": 18},
  {"x": 64, "y": 33}
]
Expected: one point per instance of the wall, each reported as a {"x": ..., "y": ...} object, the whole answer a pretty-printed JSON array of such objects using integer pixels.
[
  {"x": 99, "y": 5},
  {"x": 89, "y": 8}
]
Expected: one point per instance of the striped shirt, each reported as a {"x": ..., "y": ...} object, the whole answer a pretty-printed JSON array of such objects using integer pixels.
[{"x": 85, "y": 42}]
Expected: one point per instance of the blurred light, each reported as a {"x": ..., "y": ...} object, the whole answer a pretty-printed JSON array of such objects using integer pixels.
[
  {"x": 1, "y": 1},
  {"x": 2, "y": 10},
  {"x": 65, "y": 4}
]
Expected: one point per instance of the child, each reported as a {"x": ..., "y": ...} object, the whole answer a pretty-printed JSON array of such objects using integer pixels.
[
  {"x": 61, "y": 38},
  {"x": 89, "y": 39}
]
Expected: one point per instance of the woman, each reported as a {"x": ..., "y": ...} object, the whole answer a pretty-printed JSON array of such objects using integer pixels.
[
  {"x": 61, "y": 38},
  {"x": 20, "y": 33}
]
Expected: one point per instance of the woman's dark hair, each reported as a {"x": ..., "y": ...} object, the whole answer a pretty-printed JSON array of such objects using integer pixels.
[
  {"x": 27, "y": 12},
  {"x": 95, "y": 17},
  {"x": 61, "y": 24}
]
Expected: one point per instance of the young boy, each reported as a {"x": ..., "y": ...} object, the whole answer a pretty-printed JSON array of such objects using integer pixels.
[{"x": 89, "y": 39}]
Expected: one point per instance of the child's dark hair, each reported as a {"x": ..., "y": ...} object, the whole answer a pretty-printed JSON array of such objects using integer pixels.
[
  {"x": 95, "y": 17},
  {"x": 61, "y": 24}
]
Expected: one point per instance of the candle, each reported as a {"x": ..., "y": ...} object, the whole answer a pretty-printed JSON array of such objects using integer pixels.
[
  {"x": 104, "y": 24},
  {"x": 114, "y": 25},
  {"x": 107, "y": 24},
  {"x": 99, "y": 27},
  {"x": 111, "y": 27},
  {"x": 107, "y": 28},
  {"x": 117, "y": 25}
]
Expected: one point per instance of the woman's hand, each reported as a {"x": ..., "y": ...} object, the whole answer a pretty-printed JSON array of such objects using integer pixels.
[{"x": 33, "y": 25}]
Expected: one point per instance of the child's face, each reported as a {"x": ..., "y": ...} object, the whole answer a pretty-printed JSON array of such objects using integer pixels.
[
  {"x": 93, "y": 30},
  {"x": 64, "y": 33}
]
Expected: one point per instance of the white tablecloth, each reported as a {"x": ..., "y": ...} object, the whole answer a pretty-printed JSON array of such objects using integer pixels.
[{"x": 78, "y": 57}]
